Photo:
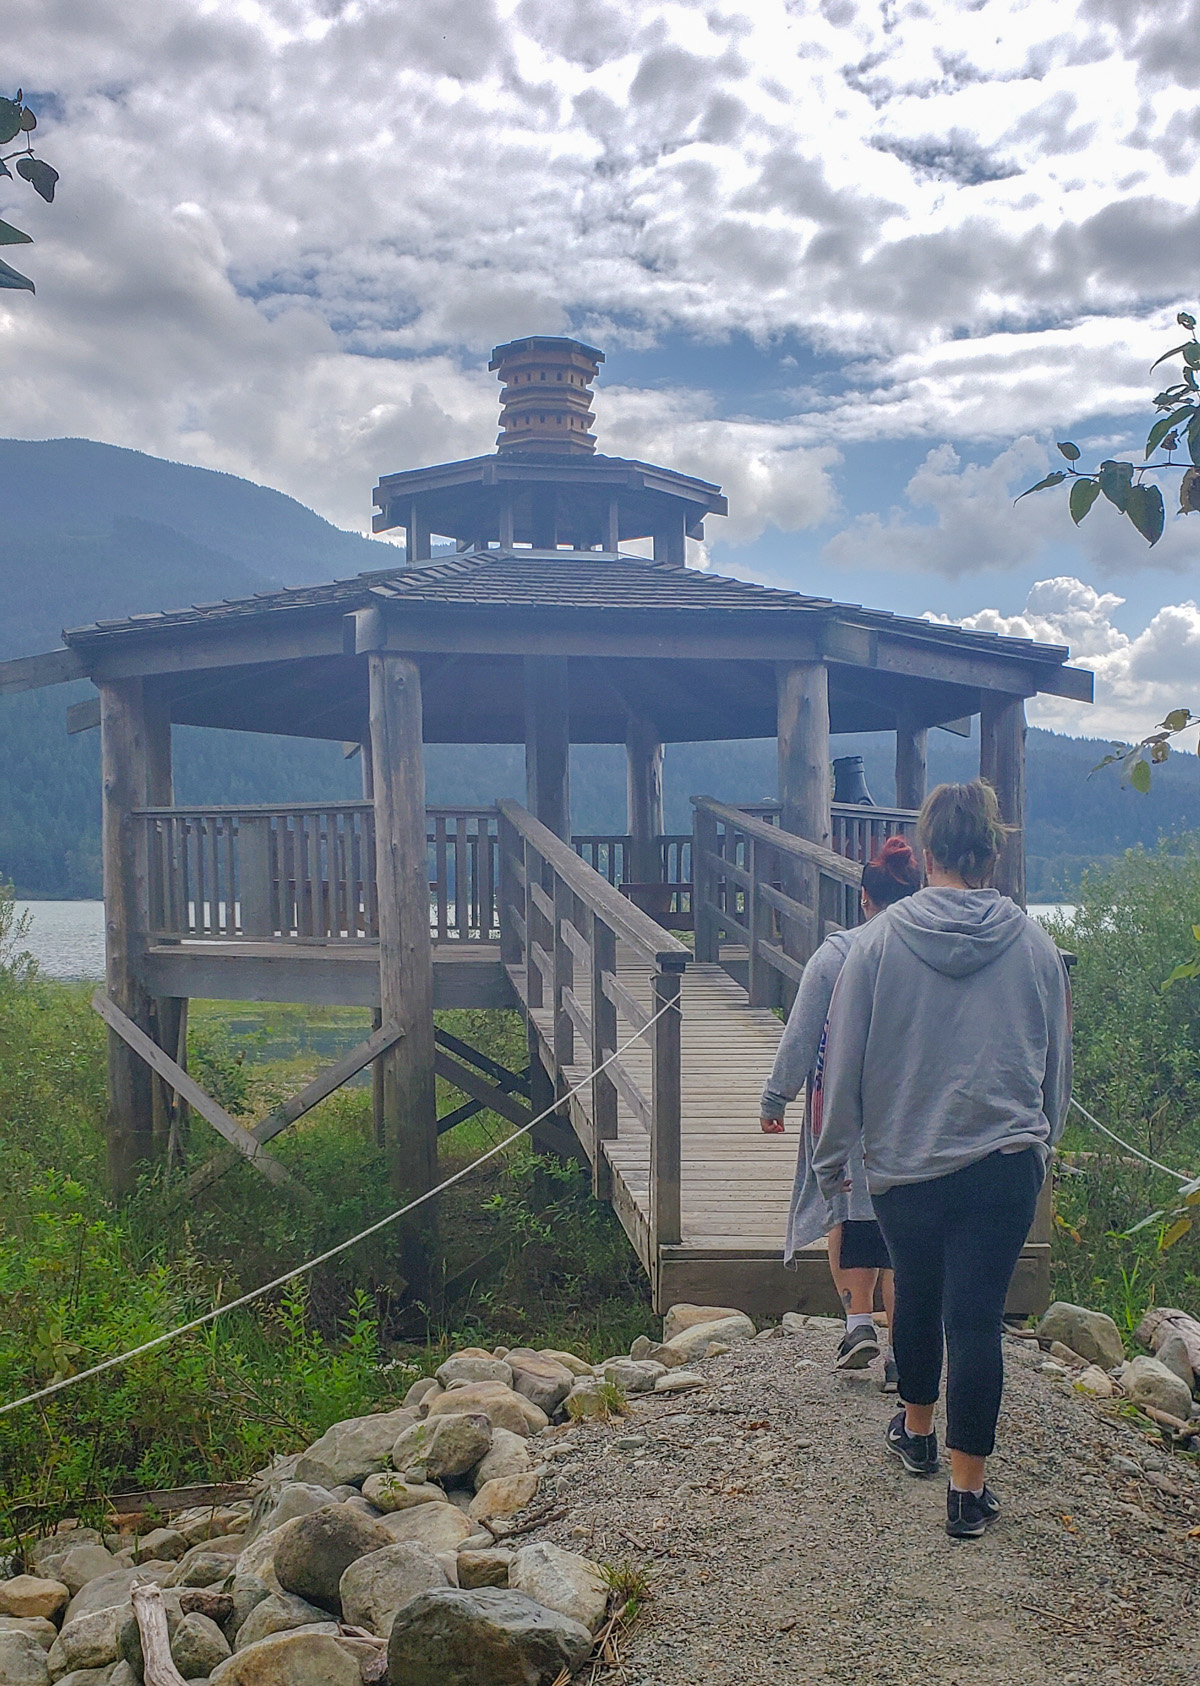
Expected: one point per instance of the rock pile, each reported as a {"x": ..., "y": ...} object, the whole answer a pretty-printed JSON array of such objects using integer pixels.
[
  {"x": 390, "y": 1550},
  {"x": 1088, "y": 1346}
]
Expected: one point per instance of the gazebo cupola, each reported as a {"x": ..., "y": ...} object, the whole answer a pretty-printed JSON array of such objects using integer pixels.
[{"x": 545, "y": 486}]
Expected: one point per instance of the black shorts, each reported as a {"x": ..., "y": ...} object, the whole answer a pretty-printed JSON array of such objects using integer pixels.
[{"x": 863, "y": 1247}]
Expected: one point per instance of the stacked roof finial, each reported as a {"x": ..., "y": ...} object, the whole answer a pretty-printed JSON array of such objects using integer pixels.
[{"x": 545, "y": 404}]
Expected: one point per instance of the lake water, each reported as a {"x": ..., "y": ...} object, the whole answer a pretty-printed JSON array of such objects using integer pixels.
[{"x": 67, "y": 938}]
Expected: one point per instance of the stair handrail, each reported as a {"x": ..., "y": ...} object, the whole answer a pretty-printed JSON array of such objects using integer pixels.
[{"x": 830, "y": 863}]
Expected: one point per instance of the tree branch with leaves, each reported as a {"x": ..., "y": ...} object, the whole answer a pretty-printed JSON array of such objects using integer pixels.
[
  {"x": 1123, "y": 483},
  {"x": 17, "y": 121}
]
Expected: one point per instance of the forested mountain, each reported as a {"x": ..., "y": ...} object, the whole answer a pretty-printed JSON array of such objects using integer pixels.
[{"x": 89, "y": 531}]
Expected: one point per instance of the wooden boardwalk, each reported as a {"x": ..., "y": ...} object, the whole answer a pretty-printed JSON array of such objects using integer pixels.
[{"x": 735, "y": 1182}]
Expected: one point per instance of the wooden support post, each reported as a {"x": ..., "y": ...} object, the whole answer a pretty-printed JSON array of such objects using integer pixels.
[
  {"x": 124, "y": 758},
  {"x": 405, "y": 949},
  {"x": 704, "y": 887},
  {"x": 604, "y": 1042},
  {"x": 670, "y": 541},
  {"x": 564, "y": 975},
  {"x": 612, "y": 526},
  {"x": 416, "y": 536},
  {"x": 804, "y": 793},
  {"x": 378, "y": 1113},
  {"x": 507, "y": 520},
  {"x": 644, "y": 800},
  {"x": 548, "y": 743},
  {"x": 665, "y": 1153},
  {"x": 1002, "y": 764},
  {"x": 545, "y": 518},
  {"x": 911, "y": 745}
]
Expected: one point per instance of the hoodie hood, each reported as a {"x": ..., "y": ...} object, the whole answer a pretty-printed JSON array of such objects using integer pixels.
[{"x": 957, "y": 932}]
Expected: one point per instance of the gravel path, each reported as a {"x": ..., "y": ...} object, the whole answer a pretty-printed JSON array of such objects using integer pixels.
[{"x": 787, "y": 1547}]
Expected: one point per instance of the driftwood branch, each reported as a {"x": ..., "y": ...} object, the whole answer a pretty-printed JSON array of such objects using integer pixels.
[{"x": 151, "y": 1613}]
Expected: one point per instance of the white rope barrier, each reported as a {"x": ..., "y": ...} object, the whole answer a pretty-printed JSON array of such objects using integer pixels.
[
  {"x": 342, "y": 1246},
  {"x": 1179, "y": 1176}
]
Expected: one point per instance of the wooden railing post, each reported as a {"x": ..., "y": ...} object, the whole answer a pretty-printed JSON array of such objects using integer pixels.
[
  {"x": 254, "y": 874},
  {"x": 564, "y": 975},
  {"x": 533, "y": 927},
  {"x": 666, "y": 1108},
  {"x": 704, "y": 843},
  {"x": 510, "y": 936},
  {"x": 604, "y": 1042}
]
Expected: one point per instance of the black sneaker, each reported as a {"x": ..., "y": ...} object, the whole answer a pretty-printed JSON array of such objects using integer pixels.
[
  {"x": 917, "y": 1452},
  {"x": 889, "y": 1382},
  {"x": 859, "y": 1347},
  {"x": 968, "y": 1517}
]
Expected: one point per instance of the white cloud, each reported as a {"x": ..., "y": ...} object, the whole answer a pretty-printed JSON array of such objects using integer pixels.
[
  {"x": 961, "y": 519},
  {"x": 1139, "y": 679}
]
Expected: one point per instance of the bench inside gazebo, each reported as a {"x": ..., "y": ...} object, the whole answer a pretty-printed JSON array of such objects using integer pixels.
[{"x": 540, "y": 628}]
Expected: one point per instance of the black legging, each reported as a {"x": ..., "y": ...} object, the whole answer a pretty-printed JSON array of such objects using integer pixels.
[{"x": 954, "y": 1244}]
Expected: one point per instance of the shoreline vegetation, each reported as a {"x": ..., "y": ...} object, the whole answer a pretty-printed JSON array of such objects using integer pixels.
[{"x": 537, "y": 1258}]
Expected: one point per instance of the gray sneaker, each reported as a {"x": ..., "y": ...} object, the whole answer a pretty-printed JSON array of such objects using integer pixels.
[{"x": 859, "y": 1348}]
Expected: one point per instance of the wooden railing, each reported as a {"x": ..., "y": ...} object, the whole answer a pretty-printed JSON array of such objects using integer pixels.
[
  {"x": 306, "y": 873},
  {"x": 859, "y": 831},
  {"x": 776, "y": 894},
  {"x": 560, "y": 923},
  {"x": 610, "y": 855}
]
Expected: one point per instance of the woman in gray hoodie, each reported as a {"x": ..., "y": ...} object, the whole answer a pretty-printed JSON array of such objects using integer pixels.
[{"x": 948, "y": 1060}]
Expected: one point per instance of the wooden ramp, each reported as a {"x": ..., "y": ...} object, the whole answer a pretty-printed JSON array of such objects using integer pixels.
[{"x": 671, "y": 1129}]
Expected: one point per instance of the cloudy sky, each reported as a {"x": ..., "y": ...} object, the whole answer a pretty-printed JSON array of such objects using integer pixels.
[{"x": 861, "y": 261}]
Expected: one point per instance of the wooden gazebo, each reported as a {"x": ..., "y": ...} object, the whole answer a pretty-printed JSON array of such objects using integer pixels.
[{"x": 536, "y": 629}]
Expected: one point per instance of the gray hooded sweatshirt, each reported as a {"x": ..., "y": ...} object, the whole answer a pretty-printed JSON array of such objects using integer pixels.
[{"x": 949, "y": 1039}]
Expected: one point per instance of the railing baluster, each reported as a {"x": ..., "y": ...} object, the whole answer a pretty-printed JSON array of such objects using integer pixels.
[
  {"x": 666, "y": 1158},
  {"x": 564, "y": 975}
]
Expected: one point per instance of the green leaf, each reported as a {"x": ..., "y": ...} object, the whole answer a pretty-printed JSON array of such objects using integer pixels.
[
  {"x": 1191, "y": 354},
  {"x": 1189, "y": 492},
  {"x": 1164, "y": 426},
  {"x": 1071, "y": 452},
  {"x": 1185, "y": 321},
  {"x": 1177, "y": 719},
  {"x": 1054, "y": 479},
  {"x": 1144, "y": 507},
  {"x": 1116, "y": 478},
  {"x": 11, "y": 280},
  {"x": 1139, "y": 776},
  {"x": 1177, "y": 1231},
  {"x": 40, "y": 176},
  {"x": 10, "y": 236},
  {"x": 1083, "y": 495},
  {"x": 1193, "y": 438},
  {"x": 10, "y": 120},
  {"x": 28, "y": 120},
  {"x": 1174, "y": 352},
  {"x": 1188, "y": 969}
]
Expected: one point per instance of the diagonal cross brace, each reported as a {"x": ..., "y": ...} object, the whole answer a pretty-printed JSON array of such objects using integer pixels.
[
  {"x": 190, "y": 1091},
  {"x": 322, "y": 1085}
]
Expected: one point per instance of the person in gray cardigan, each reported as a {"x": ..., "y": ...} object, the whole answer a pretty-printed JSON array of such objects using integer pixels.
[
  {"x": 858, "y": 1258},
  {"x": 948, "y": 1067}
]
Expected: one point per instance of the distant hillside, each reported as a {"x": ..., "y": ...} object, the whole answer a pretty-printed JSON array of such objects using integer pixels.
[{"x": 89, "y": 531}]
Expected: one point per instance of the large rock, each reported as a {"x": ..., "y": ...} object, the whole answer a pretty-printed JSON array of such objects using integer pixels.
[
  {"x": 375, "y": 1587},
  {"x": 114, "y": 1588},
  {"x": 542, "y": 1380},
  {"x": 1162, "y": 1321},
  {"x": 352, "y": 1450},
  {"x": 504, "y": 1497},
  {"x": 502, "y": 1406},
  {"x": 486, "y": 1637},
  {"x": 1092, "y": 1334},
  {"x": 84, "y": 1563},
  {"x": 632, "y": 1375},
  {"x": 308, "y": 1657},
  {"x": 509, "y": 1456},
  {"x": 247, "y": 1593},
  {"x": 22, "y": 1660},
  {"x": 37, "y": 1627},
  {"x": 109, "y": 1676},
  {"x": 278, "y": 1505},
  {"x": 29, "y": 1595},
  {"x": 1147, "y": 1382},
  {"x": 279, "y": 1613},
  {"x": 562, "y": 1581},
  {"x": 659, "y": 1353},
  {"x": 389, "y": 1491},
  {"x": 472, "y": 1367},
  {"x": 568, "y": 1360},
  {"x": 258, "y": 1560},
  {"x": 198, "y": 1647},
  {"x": 445, "y": 1445},
  {"x": 437, "y": 1527},
  {"x": 1096, "y": 1382},
  {"x": 1175, "y": 1352},
  {"x": 87, "y": 1642},
  {"x": 204, "y": 1565},
  {"x": 588, "y": 1398},
  {"x": 694, "y": 1341},
  {"x": 315, "y": 1551},
  {"x": 160, "y": 1545},
  {"x": 681, "y": 1317},
  {"x": 487, "y": 1566}
]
